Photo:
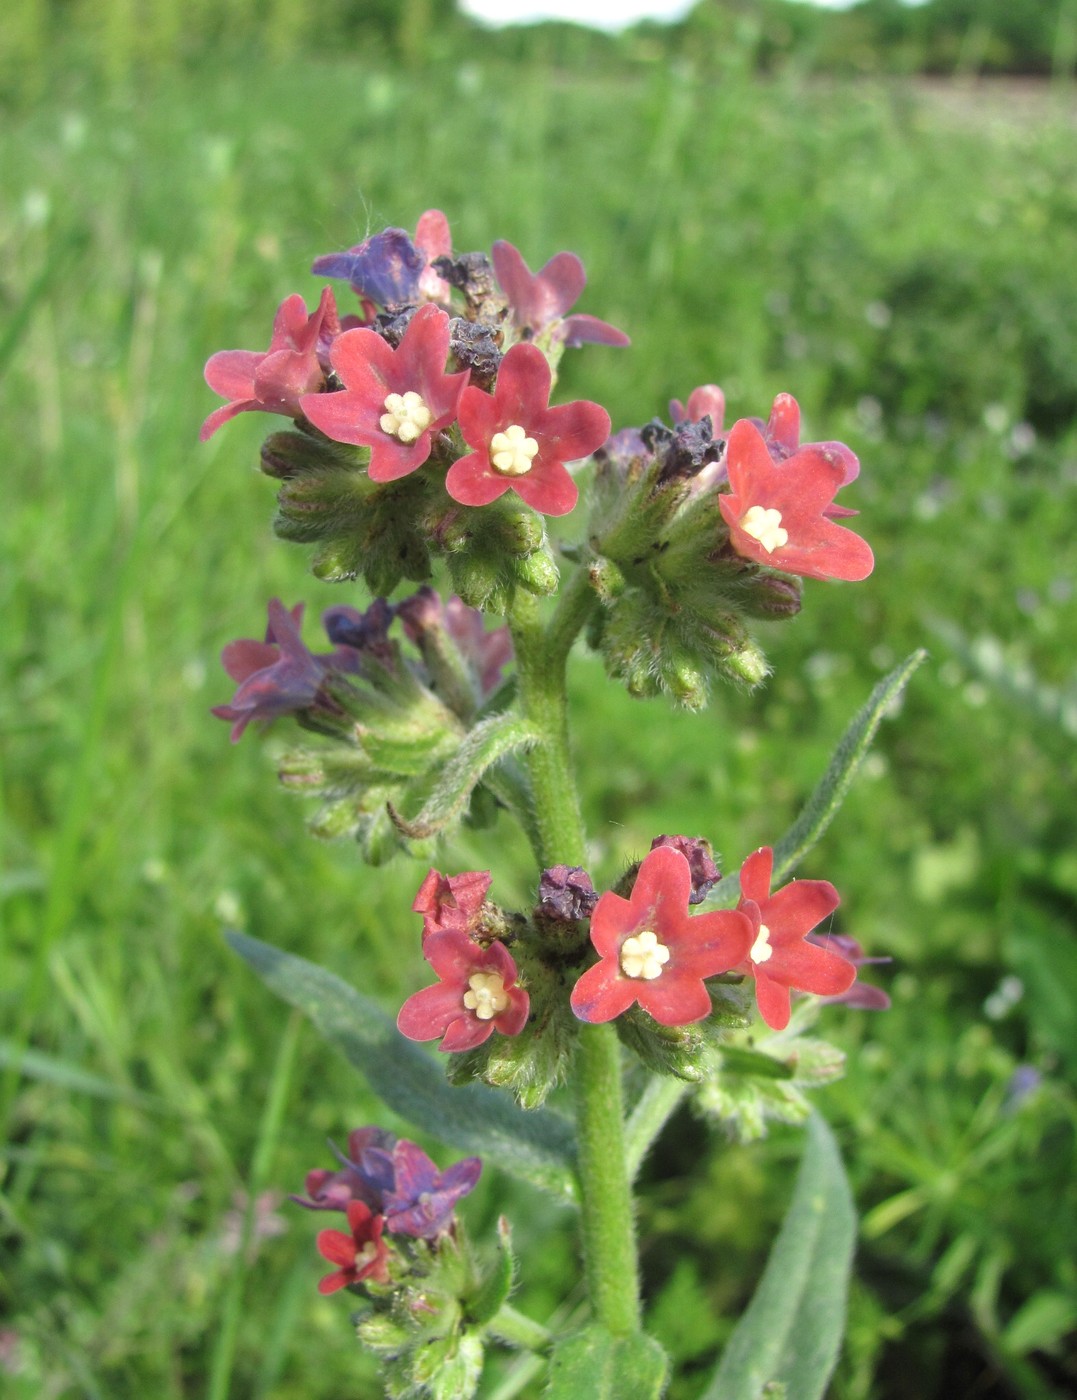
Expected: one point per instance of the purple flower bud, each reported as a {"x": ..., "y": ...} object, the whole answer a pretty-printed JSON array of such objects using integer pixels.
[
  {"x": 566, "y": 893},
  {"x": 385, "y": 269},
  {"x": 362, "y": 631},
  {"x": 700, "y": 858},
  {"x": 279, "y": 676}
]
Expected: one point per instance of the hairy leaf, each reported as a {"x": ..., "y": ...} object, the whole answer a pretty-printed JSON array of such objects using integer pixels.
[
  {"x": 791, "y": 1334},
  {"x": 596, "y": 1364}
]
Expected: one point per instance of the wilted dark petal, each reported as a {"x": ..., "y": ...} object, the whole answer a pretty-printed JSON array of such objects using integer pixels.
[
  {"x": 385, "y": 268},
  {"x": 700, "y": 856},
  {"x": 566, "y": 892}
]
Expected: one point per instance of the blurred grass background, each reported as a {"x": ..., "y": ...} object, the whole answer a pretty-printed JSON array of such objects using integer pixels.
[{"x": 901, "y": 256}]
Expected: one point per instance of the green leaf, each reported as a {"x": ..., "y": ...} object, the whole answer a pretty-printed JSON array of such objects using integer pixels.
[
  {"x": 830, "y": 792},
  {"x": 537, "y": 1147},
  {"x": 497, "y": 1283},
  {"x": 490, "y": 740},
  {"x": 596, "y": 1364},
  {"x": 791, "y": 1333}
]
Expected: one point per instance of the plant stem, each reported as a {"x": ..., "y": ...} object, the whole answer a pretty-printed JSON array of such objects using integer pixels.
[
  {"x": 519, "y": 1330},
  {"x": 608, "y": 1228}
]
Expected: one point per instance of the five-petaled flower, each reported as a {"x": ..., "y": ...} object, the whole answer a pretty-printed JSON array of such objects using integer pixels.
[
  {"x": 780, "y": 956},
  {"x": 393, "y": 401},
  {"x": 275, "y": 380},
  {"x": 476, "y": 994},
  {"x": 538, "y": 300},
  {"x": 365, "y": 1173},
  {"x": 653, "y": 952},
  {"x": 781, "y": 433},
  {"x": 520, "y": 442},
  {"x": 778, "y": 511},
  {"x": 423, "y": 1199},
  {"x": 360, "y": 1255}
]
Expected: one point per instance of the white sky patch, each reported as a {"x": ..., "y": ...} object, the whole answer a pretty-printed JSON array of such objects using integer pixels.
[{"x": 611, "y": 15}]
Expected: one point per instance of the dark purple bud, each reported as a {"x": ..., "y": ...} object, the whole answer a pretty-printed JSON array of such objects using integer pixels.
[
  {"x": 365, "y": 631},
  {"x": 277, "y": 677},
  {"x": 566, "y": 893},
  {"x": 474, "y": 348},
  {"x": 385, "y": 269},
  {"x": 700, "y": 857}
]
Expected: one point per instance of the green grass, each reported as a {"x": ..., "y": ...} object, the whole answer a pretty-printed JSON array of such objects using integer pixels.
[{"x": 907, "y": 271}]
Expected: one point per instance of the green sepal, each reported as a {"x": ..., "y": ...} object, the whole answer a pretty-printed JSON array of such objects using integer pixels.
[
  {"x": 290, "y": 454},
  {"x": 536, "y": 1147},
  {"x": 676, "y": 1050},
  {"x": 791, "y": 1334},
  {"x": 491, "y": 740},
  {"x": 495, "y": 1285},
  {"x": 601, "y": 1366}
]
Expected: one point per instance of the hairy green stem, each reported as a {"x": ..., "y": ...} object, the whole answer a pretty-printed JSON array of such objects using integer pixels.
[
  {"x": 608, "y": 1227},
  {"x": 519, "y": 1330}
]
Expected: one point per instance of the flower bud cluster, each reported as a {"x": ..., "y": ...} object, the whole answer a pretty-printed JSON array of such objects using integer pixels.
[
  {"x": 695, "y": 532},
  {"x": 423, "y": 433},
  {"x": 427, "y": 1297},
  {"x": 388, "y": 722}
]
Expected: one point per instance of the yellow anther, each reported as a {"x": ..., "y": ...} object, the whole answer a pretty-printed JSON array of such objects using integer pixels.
[
  {"x": 486, "y": 995},
  {"x": 766, "y": 527},
  {"x": 512, "y": 452},
  {"x": 406, "y": 417},
  {"x": 761, "y": 949},
  {"x": 643, "y": 956}
]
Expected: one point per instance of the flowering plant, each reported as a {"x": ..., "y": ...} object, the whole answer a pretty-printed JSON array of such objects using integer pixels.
[{"x": 424, "y": 443}]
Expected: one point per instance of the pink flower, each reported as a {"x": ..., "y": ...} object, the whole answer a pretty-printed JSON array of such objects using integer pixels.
[
  {"x": 777, "y": 511},
  {"x": 780, "y": 956},
  {"x": 653, "y": 952},
  {"x": 476, "y": 994},
  {"x": 359, "y": 1255},
  {"x": 394, "y": 401},
  {"x": 520, "y": 443},
  {"x": 272, "y": 382},
  {"x": 433, "y": 240},
  {"x": 451, "y": 901},
  {"x": 540, "y": 300},
  {"x": 707, "y": 401}
]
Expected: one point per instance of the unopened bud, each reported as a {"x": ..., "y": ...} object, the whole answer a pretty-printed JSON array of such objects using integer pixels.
[
  {"x": 772, "y": 596},
  {"x": 748, "y": 666}
]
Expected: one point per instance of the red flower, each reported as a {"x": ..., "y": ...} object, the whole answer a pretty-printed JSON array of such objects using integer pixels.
[
  {"x": 520, "y": 442},
  {"x": 272, "y": 382},
  {"x": 393, "y": 401},
  {"x": 358, "y": 1256},
  {"x": 540, "y": 300},
  {"x": 780, "y": 956},
  {"x": 476, "y": 995},
  {"x": 433, "y": 240},
  {"x": 652, "y": 951},
  {"x": 451, "y": 901},
  {"x": 777, "y": 511}
]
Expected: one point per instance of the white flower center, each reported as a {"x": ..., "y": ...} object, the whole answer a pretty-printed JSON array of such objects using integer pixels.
[
  {"x": 643, "y": 956},
  {"x": 486, "y": 995},
  {"x": 765, "y": 526},
  {"x": 366, "y": 1255},
  {"x": 512, "y": 452},
  {"x": 761, "y": 949},
  {"x": 406, "y": 416}
]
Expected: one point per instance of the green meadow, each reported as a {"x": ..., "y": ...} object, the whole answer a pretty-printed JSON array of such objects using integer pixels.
[{"x": 901, "y": 258}]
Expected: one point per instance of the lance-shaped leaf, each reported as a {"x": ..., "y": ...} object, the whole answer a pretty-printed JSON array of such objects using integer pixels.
[
  {"x": 491, "y": 740},
  {"x": 537, "y": 1147},
  {"x": 792, "y": 1331},
  {"x": 602, "y": 1366},
  {"x": 832, "y": 788}
]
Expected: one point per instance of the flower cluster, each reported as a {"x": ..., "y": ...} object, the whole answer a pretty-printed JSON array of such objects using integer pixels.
[
  {"x": 383, "y": 1185},
  {"x": 653, "y": 952},
  {"x": 384, "y": 384}
]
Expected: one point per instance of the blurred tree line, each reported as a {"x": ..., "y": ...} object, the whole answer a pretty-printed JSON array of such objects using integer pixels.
[{"x": 115, "y": 39}]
